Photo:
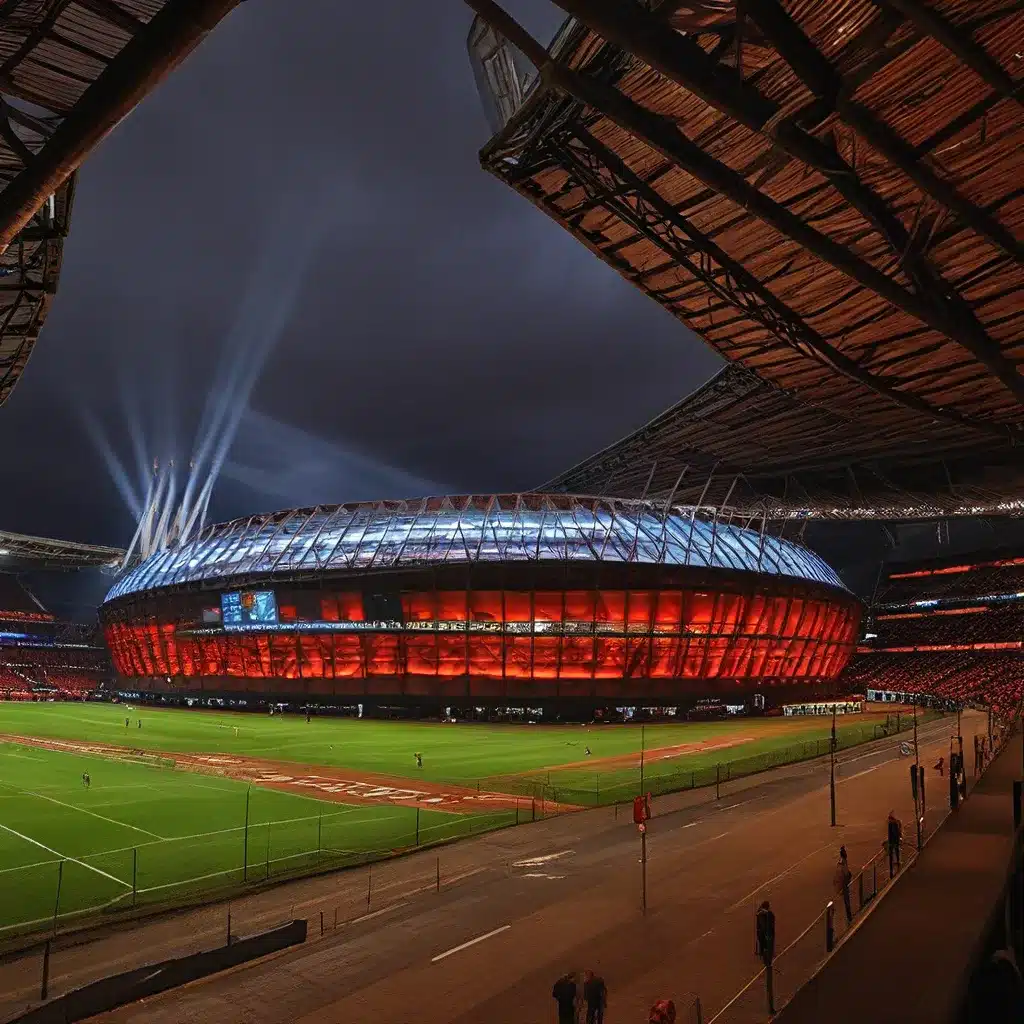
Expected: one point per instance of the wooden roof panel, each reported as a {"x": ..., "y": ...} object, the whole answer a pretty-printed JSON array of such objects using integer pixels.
[{"x": 905, "y": 306}]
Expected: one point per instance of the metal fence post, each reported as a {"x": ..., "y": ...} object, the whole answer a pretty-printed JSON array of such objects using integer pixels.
[
  {"x": 46, "y": 970},
  {"x": 718, "y": 777},
  {"x": 830, "y": 927},
  {"x": 418, "y": 822},
  {"x": 135, "y": 873},
  {"x": 369, "y": 885},
  {"x": 56, "y": 902}
]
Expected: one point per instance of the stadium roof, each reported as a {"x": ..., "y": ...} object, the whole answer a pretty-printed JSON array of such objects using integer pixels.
[
  {"x": 18, "y": 551},
  {"x": 741, "y": 442},
  {"x": 829, "y": 194},
  {"x": 70, "y": 70},
  {"x": 369, "y": 537}
]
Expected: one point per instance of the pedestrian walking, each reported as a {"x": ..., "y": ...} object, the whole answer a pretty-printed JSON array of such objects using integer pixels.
[
  {"x": 595, "y": 997},
  {"x": 765, "y": 932},
  {"x": 842, "y": 880},
  {"x": 564, "y": 994},
  {"x": 894, "y": 836},
  {"x": 940, "y": 766}
]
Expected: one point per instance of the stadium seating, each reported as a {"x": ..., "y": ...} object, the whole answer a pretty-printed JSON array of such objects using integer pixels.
[
  {"x": 971, "y": 625},
  {"x": 960, "y": 649},
  {"x": 970, "y": 578},
  {"x": 44, "y": 673}
]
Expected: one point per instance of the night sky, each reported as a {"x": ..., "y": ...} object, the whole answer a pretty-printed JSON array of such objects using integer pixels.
[{"x": 303, "y": 197}]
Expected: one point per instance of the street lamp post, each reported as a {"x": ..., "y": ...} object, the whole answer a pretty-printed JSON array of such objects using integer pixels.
[
  {"x": 917, "y": 786},
  {"x": 832, "y": 778}
]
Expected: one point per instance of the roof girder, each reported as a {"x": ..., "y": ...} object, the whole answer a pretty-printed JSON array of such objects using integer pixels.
[
  {"x": 685, "y": 63},
  {"x": 768, "y": 310}
]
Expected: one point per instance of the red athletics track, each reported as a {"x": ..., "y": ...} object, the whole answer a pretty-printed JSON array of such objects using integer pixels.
[{"x": 768, "y": 837}]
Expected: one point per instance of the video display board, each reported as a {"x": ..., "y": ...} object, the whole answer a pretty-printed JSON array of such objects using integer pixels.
[{"x": 248, "y": 608}]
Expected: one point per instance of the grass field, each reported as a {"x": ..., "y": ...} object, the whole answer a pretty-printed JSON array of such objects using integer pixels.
[{"x": 145, "y": 832}]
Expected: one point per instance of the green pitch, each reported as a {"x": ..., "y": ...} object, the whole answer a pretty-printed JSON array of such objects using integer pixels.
[
  {"x": 464, "y": 753},
  {"x": 144, "y": 834}
]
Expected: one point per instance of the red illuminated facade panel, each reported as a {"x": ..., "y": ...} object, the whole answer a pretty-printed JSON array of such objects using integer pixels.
[{"x": 498, "y": 641}]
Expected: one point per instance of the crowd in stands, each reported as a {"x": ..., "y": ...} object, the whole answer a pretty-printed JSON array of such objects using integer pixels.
[
  {"x": 971, "y": 625},
  {"x": 46, "y": 673},
  {"x": 985, "y": 679},
  {"x": 969, "y": 578},
  {"x": 961, "y": 651}
]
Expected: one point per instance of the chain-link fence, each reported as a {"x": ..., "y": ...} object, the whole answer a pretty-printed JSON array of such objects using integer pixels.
[
  {"x": 58, "y": 893},
  {"x": 582, "y": 787}
]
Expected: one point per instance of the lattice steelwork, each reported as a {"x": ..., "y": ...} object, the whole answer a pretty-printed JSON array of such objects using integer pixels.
[
  {"x": 827, "y": 193},
  {"x": 517, "y": 597},
  {"x": 502, "y": 528}
]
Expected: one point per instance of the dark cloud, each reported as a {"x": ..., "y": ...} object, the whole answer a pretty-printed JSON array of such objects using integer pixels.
[{"x": 444, "y": 330}]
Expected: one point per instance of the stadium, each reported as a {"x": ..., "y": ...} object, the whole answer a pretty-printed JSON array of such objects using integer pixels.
[
  {"x": 559, "y": 601},
  {"x": 756, "y": 610}
]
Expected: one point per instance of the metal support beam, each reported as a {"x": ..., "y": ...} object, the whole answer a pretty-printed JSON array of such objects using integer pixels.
[
  {"x": 662, "y": 135},
  {"x": 818, "y": 74},
  {"x": 152, "y": 53},
  {"x": 682, "y": 61},
  {"x": 958, "y": 41},
  {"x": 726, "y": 277}
]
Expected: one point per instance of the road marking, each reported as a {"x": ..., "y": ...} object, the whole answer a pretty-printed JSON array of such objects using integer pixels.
[
  {"x": 57, "y": 853},
  {"x": 472, "y": 942},
  {"x": 867, "y": 771},
  {"x": 692, "y": 823},
  {"x": 532, "y": 862},
  {"x": 540, "y": 874},
  {"x": 378, "y": 913},
  {"x": 73, "y": 807},
  {"x": 780, "y": 875}
]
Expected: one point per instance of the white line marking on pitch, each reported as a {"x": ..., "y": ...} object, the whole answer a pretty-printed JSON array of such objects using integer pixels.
[
  {"x": 61, "y": 803},
  {"x": 472, "y": 942},
  {"x": 57, "y": 853}
]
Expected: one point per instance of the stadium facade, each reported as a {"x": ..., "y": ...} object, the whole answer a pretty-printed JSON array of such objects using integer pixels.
[{"x": 532, "y": 600}]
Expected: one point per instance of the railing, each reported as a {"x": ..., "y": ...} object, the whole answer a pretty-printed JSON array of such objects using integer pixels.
[
  {"x": 586, "y": 788},
  {"x": 166, "y": 873}
]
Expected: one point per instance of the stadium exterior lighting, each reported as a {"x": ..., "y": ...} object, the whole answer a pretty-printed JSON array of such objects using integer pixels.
[{"x": 547, "y": 598}]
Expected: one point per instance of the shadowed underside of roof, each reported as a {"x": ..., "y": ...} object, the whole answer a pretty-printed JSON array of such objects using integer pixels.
[
  {"x": 69, "y": 71},
  {"x": 21, "y": 551},
  {"x": 831, "y": 193},
  {"x": 742, "y": 443}
]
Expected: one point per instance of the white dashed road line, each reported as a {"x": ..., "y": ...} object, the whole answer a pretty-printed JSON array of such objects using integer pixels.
[{"x": 472, "y": 942}]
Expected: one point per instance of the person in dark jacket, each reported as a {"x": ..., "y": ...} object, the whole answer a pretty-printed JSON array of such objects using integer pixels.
[
  {"x": 894, "y": 836},
  {"x": 842, "y": 881},
  {"x": 766, "y": 948},
  {"x": 564, "y": 993},
  {"x": 595, "y": 995}
]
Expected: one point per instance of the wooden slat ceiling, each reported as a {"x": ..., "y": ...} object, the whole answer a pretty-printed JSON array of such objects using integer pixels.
[
  {"x": 831, "y": 193},
  {"x": 51, "y": 53}
]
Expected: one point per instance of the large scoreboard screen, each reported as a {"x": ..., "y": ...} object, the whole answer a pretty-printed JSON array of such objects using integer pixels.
[{"x": 248, "y": 608}]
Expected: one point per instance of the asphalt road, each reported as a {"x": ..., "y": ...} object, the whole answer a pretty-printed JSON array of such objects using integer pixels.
[{"x": 518, "y": 908}]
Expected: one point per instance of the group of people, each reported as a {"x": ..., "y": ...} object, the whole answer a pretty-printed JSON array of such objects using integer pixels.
[{"x": 591, "y": 997}]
